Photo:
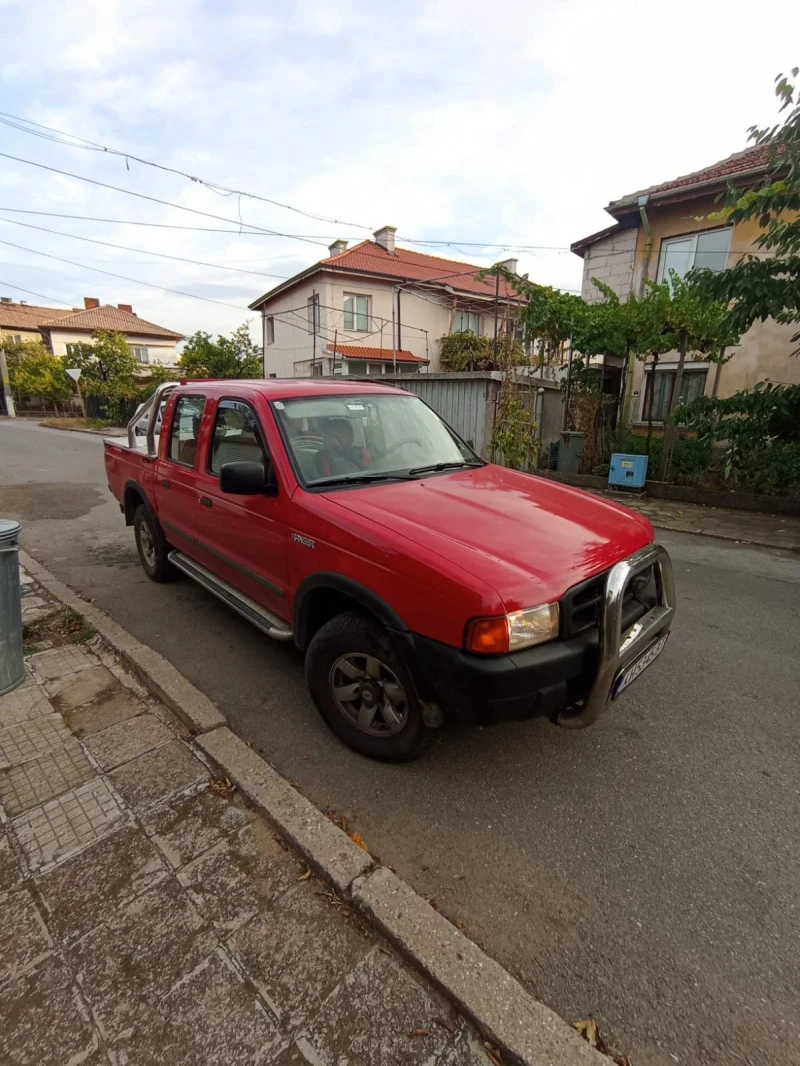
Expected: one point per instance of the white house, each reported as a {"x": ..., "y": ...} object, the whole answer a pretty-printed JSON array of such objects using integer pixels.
[
  {"x": 60, "y": 328},
  {"x": 374, "y": 309}
]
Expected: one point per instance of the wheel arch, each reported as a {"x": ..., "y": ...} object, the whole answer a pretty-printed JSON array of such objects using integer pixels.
[
  {"x": 133, "y": 496},
  {"x": 322, "y": 596}
]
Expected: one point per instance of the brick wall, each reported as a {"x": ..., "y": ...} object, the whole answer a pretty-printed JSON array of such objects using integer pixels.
[{"x": 611, "y": 261}]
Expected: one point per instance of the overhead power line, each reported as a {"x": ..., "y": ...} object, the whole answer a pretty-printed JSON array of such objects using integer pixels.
[
  {"x": 123, "y": 277},
  {"x": 157, "y": 200},
  {"x": 75, "y": 141},
  {"x": 41, "y": 295},
  {"x": 141, "y": 251}
]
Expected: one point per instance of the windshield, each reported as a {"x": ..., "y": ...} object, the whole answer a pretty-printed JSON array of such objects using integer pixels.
[{"x": 368, "y": 438}]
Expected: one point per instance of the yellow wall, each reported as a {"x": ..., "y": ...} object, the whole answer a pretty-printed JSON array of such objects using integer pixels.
[
  {"x": 763, "y": 353},
  {"x": 25, "y": 334}
]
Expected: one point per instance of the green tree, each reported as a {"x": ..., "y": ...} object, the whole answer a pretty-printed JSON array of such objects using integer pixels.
[
  {"x": 761, "y": 287},
  {"x": 107, "y": 367},
  {"x": 35, "y": 372},
  {"x": 226, "y": 357}
]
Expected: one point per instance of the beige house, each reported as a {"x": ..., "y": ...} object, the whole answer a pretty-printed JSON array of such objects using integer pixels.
[
  {"x": 670, "y": 227},
  {"x": 60, "y": 328},
  {"x": 375, "y": 308}
]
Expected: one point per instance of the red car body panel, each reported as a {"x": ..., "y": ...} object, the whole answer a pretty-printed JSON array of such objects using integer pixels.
[{"x": 437, "y": 551}]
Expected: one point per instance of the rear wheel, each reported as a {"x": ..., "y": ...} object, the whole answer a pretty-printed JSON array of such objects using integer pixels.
[
  {"x": 363, "y": 691},
  {"x": 152, "y": 546}
]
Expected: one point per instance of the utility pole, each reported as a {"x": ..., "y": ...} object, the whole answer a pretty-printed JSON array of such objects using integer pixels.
[
  {"x": 313, "y": 333},
  {"x": 496, "y": 311},
  {"x": 399, "y": 340},
  {"x": 333, "y": 361},
  {"x": 6, "y": 384}
]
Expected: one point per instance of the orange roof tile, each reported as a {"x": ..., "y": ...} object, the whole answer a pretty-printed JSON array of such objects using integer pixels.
[
  {"x": 755, "y": 158},
  {"x": 371, "y": 257},
  {"x": 109, "y": 317},
  {"x": 28, "y": 316},
  {"x": 385, "y": 355}
]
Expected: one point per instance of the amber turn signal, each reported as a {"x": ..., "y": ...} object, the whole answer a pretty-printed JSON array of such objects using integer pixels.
[{"x": 488, "y": 636}]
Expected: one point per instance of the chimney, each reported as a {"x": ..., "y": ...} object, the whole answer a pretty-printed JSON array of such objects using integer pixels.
[
  {"x": 337, "y": 248},
  {"x": 89, "y": 303},
  {"x": 126, "y": 307},
  {"x": 510, "y": 265},
  {"x": 385, "y": 238},
  {"x": 6, "y": 300}
]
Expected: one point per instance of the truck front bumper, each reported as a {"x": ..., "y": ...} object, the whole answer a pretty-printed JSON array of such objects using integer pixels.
[{"x": 569, "y": 681}]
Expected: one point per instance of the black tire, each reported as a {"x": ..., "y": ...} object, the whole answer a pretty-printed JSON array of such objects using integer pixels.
[
  {"x": 152, "y": 546},
  {"x": 352, "y": 635}
]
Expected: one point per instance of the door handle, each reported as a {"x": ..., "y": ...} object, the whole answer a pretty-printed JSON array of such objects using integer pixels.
[
  {"x": 165, "y": 484},
  {"x": 206, "y": 502}
]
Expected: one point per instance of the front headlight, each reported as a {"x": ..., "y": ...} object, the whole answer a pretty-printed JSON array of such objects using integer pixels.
[
  {"x": 511, "y": 632},
  {"x": 534, "y": 626}
]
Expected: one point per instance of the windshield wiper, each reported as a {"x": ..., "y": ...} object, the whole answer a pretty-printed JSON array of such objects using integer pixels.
[
  {"x": 443, "y": 466},
  {"x": 359, "y": 479}
]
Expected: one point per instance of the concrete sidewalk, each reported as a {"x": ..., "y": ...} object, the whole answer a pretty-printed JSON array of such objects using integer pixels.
[{"x": 150, "y": 916}]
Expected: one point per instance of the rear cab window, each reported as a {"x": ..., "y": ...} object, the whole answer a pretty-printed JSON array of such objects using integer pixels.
[{"x": 185, "y": 429}]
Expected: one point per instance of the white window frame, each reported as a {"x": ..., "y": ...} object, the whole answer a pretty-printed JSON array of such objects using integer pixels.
[
  {"x": 354, "y": 313},
  {"x": 136, "y": 349},
  {"x": 663, "y": 268},
  {"x": 269, "y": 329},
  {"x": 13, "y": 338},
  {"x": 462, "y": 313}
]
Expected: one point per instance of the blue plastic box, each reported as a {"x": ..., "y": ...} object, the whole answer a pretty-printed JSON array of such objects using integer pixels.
[{"x": 628, "y": 471}]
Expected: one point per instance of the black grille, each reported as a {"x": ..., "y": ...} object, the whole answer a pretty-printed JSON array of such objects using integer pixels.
[{"x": 581, "y": 605}]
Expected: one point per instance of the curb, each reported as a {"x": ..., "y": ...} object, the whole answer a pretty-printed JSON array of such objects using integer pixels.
[
  {"x": 524, "y": 1029},
  {"x": 726, "y": 537}
]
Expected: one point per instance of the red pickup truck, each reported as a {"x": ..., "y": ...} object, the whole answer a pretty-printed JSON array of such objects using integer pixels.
[{"x": 419, "y": 580}]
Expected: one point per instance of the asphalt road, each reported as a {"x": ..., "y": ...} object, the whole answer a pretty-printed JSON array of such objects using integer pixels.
[{"x": 645, "y": 872}]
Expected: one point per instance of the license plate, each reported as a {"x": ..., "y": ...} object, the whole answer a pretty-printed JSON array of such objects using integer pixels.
[{"x": 630, "y": 673}]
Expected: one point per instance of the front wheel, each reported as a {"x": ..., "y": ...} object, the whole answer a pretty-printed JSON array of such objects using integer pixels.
[
  {"x": 152, "y": 547},
  {"x": 361, "y": 688}
]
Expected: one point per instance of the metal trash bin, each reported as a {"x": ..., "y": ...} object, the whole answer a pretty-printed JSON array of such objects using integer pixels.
[{"x": 12, "y": 664}]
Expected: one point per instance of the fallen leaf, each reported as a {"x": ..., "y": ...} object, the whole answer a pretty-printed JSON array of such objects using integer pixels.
[
  {"x": 432, "y": 902},
  {"x": 592, "y": 1035},
  {"x": 306, "y": 875},
  {"x": 385, "y": 951},
  {"x": 221, "y": 786},
  {"x": 449, "y": 1026},
  {"x": 338, "y": 819},
  {"x": 358, "y": 839},
  {"x": 280, "y": 841},
  {"x": 588, "y": 1030},
  {"x": 459, "y": 925},
  {"x": 493, "y": 1054},
  {"x": 420, "y": 1032}
]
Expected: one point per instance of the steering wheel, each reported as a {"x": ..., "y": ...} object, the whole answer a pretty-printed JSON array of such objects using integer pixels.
[{"x": 399, "y": 444}]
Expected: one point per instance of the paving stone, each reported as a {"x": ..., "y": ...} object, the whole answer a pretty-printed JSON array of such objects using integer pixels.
[
  {"x": 232, "y": 881},
  {"x": 24, "y": 704},
  {"x": 296, "y": 951},
  {"x": 210, "y": 1019},
  {"x": 84, "y": 687},
  {"x": 24, "y": 939},
  {"x": 187, "y": 826},
  {"x": 45, "y": 777},
  {"x": 27, "y": 740},
  {"x": 66, "y": 824},
  {"x": 43, "y": 1021},
  {"x": 34, "y": 609},
  {"x": 127, "y": 964},
  {"x": 368, "y": 1019},
  {"x": 116, "y": 707},
  {"x": 10, "y": 869},
  {"x": 61, "y": 662},
  {"x": 93, "y": 886},
  {"x": 160, "y": 773},
  {"x": 122, "y": 742}
]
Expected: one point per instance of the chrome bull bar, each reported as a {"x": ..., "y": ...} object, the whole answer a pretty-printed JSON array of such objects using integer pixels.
[{"x": 618, "y": 649}]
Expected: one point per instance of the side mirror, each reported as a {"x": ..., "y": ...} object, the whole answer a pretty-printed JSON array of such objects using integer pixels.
[{"x": 247, "y": 479}]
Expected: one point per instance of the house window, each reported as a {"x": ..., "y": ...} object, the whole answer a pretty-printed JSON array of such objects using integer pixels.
[
  {"x": 270, "y": 329},
  {"x": 662, "y": 389},
  {"x": 142, "y": 355},
  {"x": 682, "y": 254},
  {"x": 13, "y": 338},
  {"x": 73, "y": 349},
  {"x": 466, "y": 321},
  {"x": 313, "y": 313},
  {"x": 316, "y": 369},
  {"x": 356, "y": 312}
]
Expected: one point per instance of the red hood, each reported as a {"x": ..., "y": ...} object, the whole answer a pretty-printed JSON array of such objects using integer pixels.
[{"x": 527, "y": 537}]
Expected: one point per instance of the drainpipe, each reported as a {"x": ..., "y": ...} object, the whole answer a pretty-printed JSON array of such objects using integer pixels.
[{"x": 648, "y": 248}]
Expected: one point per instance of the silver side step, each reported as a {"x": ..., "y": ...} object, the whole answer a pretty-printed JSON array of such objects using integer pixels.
[{"x": 260, "y": 617}]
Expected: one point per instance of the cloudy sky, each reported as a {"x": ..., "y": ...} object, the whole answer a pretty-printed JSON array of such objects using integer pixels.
[{"x": 508, "y": 125}]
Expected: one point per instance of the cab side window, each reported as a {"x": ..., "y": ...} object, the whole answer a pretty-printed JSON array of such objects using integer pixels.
[
  {"x": 185, "y": 429},
  {"x": 236, "y": 438}
]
